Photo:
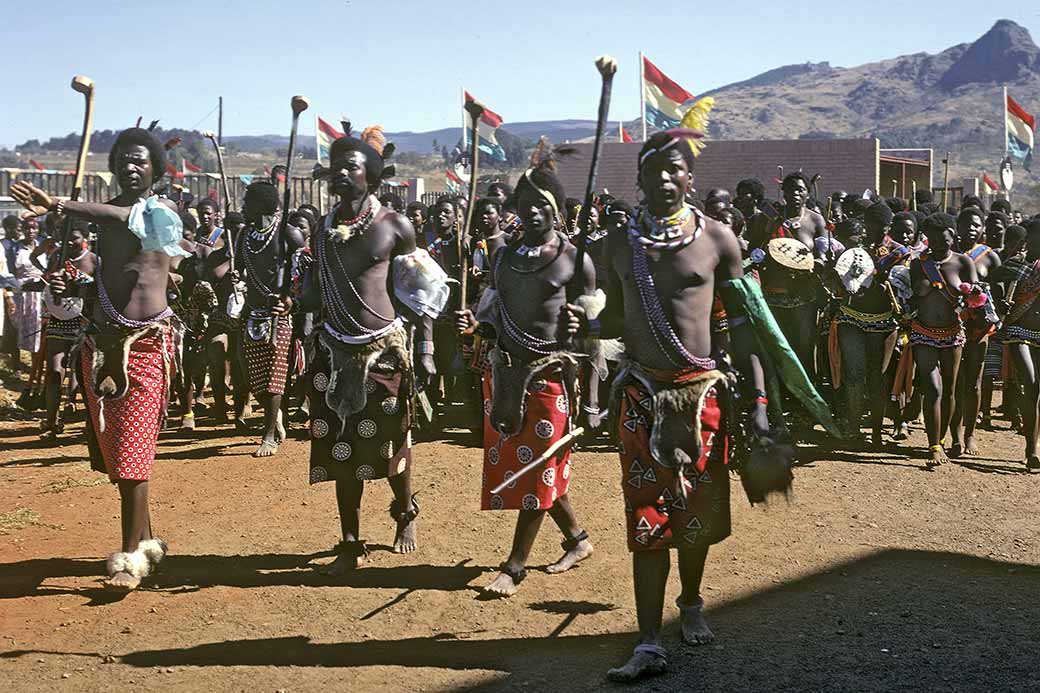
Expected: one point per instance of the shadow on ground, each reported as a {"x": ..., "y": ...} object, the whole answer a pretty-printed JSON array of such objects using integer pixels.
[{"x": 893, "y": 620}]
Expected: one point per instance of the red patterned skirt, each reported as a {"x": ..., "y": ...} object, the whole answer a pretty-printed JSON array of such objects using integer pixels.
[
  {"x": 267, "y": 361},
  {"x": 546, "y": 420},
  {"x": 125, "y": 448},
  {"x": 663, "y": 510}
]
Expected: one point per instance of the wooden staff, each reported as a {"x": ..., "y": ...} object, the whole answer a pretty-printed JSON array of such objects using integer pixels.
[
  {"x": 913, "y": 195},
  {"x": 550, "y": 451},
  {"x": 946, "y": 179},
  {"x": 895, "y": 188},
  {"x": 299, "y": 104},
  {"x": 212, "y": 137},
  {"x": 607, "y": 67},
  {"x": 85, "y": 86},
  {"x": 780, "y": 185},
  {"x": 475, "y": 110}
]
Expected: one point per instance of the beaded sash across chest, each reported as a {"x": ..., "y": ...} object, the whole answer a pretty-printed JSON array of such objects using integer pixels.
[
  {"x": 264, "y": 237},
  {"x": 518, "y": 334},
  {"x": 660, "y": 327},
  {"x": 331, "y": 273},
  {"x": 114, "y": 315}
]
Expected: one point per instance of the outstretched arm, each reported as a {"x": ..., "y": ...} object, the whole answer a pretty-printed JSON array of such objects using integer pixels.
[{"x": 39, "y": 203}]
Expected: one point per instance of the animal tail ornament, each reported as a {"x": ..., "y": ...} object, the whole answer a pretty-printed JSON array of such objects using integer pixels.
[
  {"x": 374, "y": 138},
  {"x": 697, "y": 119}
]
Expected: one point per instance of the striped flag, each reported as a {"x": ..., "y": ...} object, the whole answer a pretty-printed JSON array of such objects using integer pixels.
[
  {"x": 489, "y": 123},
  {"x": 1020, "y": 128},
  {"x": 664, "y": 98},
  {"x": 454, "y": 183},
  {"x": 990, "y": 183},
  {"x": 325, "y": 134},
  {"x": 625, "y": 137}
]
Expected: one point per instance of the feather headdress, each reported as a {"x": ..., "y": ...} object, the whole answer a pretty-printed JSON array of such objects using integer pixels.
[{"x": 696, "y": 118}]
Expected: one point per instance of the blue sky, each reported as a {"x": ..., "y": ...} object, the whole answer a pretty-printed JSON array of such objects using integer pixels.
[{"x": 402, "y": 63}]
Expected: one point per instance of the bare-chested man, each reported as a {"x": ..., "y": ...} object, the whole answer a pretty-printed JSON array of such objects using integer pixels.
[
  {"x": 979, "y": 324},
  {"x": 1022, "y": 336},
  {"x": 266, "y": 338},
  {"x": 936, "y": 333},
  {"x": 126, "y": 358},
  {"x": 370, "y": 280},
  {"x": 531, "y": 398},
  {"x": 665, "y": 268}
]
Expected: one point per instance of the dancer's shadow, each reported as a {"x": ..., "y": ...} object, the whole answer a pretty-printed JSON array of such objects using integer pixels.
[
  {"x": 894, "y": 620},
  {"x": 182, "y": 574}
]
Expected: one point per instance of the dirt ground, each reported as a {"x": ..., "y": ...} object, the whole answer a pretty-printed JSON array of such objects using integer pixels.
[{"x": 878, "y": 575}]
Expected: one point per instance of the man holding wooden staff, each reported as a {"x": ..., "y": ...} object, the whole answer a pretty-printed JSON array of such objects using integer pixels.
[
  {"x": 128, "y": 351},
  {"x": 370, "y": 279},
  {"x": 530, "y": 399},
  {"x": 675, "y": 396}
]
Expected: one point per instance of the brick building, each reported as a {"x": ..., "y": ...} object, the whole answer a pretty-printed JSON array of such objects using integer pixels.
[{"x": 851, "y": 165}]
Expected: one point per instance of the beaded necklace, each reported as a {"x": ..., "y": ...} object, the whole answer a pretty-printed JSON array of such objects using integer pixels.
[
  {"x": 251, "y": 274},
  {"x": 212, "y": 239},
  {"x": 668, "y": 233},
  {"x": 348, "y": 228},
  {"x": 660, "y": 327},
  {"x": 528, "y": 251}
]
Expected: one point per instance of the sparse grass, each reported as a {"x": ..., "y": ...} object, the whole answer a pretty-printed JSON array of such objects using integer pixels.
[
  {"x": 70, "y": 483},
  {"x": 20, "y": 519}
]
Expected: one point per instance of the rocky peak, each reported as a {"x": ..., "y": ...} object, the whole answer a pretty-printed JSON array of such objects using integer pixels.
[{"x": 1005, "y": 53}]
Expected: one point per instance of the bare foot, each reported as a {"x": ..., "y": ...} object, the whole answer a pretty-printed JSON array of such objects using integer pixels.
[
  {"x": 956, "y": 450},
  {"x": 267, "y": 448},
  {"x": 938, "y": 456},
  {"x": 404, "y": 540},
  {"x": 695, "y": 629},
  {"x": 902, "y": 432},
  {"x": 122, "y": 582},
  {"x": 188, "y": 422},
  {"x": 971, "y": 448},
  {"x": 646, "y": 661},
  {"x": 341, "y": 566},
  {"x": 579, "y": 553},
  {"x": 1033, "y": 464},
  {"x": 505, "y": 584}
]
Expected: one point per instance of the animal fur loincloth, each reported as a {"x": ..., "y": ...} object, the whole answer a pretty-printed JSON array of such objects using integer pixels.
[
  {"x": 673, "y": 444},
  {"x": 546, "y": 419},
  {"x": 510, "y": 378},
  {"x": 361, "y": 408}
]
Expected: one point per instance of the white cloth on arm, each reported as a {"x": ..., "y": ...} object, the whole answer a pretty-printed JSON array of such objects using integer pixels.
[
  {"x": 420, "y": 283},
  {"x": 159, "y": 227}
]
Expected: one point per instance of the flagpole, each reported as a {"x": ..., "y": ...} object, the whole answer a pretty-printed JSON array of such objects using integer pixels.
[
  {"x": 620, "y": 129},
  {"x": 1005, "y": 122},
  {"x": 462, "y": 93},
  {"x": 643, "y": 100}
]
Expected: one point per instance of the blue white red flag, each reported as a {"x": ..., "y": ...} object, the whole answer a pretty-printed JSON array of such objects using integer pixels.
[
  {"x": 486, "y": 128},
  {"x": 664, "y": 98},
  {"x": 1020, "y": 128},
  {"x": 325, "y": 134}
]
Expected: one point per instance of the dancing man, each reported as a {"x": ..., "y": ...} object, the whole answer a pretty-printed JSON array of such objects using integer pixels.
[
  {"x": 370, "y": 280},
  {"x": 127, "y": 353},
  {"x": 531, "y": 398},
  {"x": 266, "y": 337},
  {"x": 669, "y": 395}
]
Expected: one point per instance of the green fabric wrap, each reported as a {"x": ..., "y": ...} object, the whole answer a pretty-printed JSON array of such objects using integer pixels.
[{"x": 774, "y": 347}]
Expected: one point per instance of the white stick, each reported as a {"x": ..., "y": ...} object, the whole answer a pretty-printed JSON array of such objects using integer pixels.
[
  {"x": 552, "y": 450},
  {"x": 642, "y": 96}
]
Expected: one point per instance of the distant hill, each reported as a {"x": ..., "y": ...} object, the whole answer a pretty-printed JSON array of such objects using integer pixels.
[{"x": 950, "y": 101}]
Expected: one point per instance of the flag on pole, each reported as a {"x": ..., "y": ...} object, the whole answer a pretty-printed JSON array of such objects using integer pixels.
[
  {"x": 36, "y": 165},
  {"x": 664, "y": 98},
  {"x": 990, "y": 183},
  {"x": 625, "y": 137},
  {"x": 489, "y": 123},
  {"x": 1020, "y": 128},
  {"x": 454, "y": 183},
  {"x": 325, "y": 134}
]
